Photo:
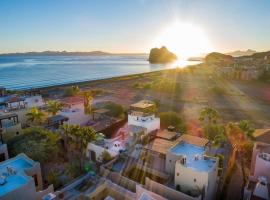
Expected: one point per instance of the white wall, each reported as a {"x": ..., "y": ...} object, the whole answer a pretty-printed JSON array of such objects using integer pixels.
[
  {"x": 34, "y": 101},
  {"x": 151, "y": 123},
  {"x": 27, "y": 191},
  {"x": 98, "y": 150},
  {"x": 203, "y": 179},
  {"x": 262, "y": 167},
  {"x": 78, "y": 117},
  {"x": 170, "y": 162},
  {"x": 186, "y": 177}
]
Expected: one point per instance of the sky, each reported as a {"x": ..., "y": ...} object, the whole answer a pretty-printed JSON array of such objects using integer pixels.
[{"x": 130, "y": 26}]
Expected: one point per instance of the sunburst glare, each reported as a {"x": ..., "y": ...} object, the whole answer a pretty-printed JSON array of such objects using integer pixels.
[{"x": 184, "y": 39}]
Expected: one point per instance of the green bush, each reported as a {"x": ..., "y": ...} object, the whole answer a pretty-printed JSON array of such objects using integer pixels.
[
  {"x": 39, "y": 144},
  {"x": 115, "y": 110},
  {"x": 71, "y": 91},
  {"x": 172, "y": 119},
  {"x": 106, "y": 157}
]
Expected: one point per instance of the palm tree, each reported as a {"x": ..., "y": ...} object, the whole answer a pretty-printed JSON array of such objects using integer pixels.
[
  {"x": 35, "y": 115},
  {"x": 247, "y": 128},
  {"x": 88, "y": 100},
  {"x": 66, "y": 130},
  {"x": 54, "y": 107},
  {"x": 209, "y": 115},
  {"x": 82, "y": 136}
]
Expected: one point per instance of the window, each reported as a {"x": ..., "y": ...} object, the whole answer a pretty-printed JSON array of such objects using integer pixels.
[
  {"x": 170, "y": 160},
  {"x": 195, "y": 180},
  {"x": 177, "y": 174},
  {"x": 35, "y": 179}
]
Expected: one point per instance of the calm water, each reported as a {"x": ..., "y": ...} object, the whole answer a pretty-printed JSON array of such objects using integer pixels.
[{"x": 24, "y": 72}]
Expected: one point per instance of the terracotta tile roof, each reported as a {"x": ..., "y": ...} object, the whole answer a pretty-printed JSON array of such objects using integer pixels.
[
  {"x": 160, "y": 145},
  {"x": 262, "y": 135},
  {"x": 194, "y": 140},
  {"x": 165, "y": 134}
]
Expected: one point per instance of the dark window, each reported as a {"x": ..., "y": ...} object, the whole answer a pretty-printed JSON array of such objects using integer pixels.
[
  {"x": 177, "y": 174},
  {"x": 2, "y": 157},
  {"x": 195, "y": 180},
  {"x": 36, "y": 179},
  {"x": 178, "y": 187},
  {"x": 170, "y": 160}
]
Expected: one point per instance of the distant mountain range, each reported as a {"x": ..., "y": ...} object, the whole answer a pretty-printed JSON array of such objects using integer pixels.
[
  {"x": 239, "y": 53},
  {"x": 67, "y": 53}
]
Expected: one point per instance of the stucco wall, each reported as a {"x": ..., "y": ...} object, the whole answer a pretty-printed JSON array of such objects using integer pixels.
[{"x": 167, "y": 192}]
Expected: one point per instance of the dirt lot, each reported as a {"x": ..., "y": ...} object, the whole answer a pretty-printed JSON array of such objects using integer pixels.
[{"x": 239, "y": 100}]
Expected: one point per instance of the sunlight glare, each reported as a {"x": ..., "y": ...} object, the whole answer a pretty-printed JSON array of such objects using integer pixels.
[{"x": 185, "y": 40}]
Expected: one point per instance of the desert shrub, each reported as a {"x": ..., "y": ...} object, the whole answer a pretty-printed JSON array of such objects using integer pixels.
[
  {"x": 166, "y": 86},
  {"x": 106, "y": 156},
  {"x": 115, "y": 110},
  {"x": 73, "y": 170},
  {"x": 217, "y": 90},
  {"x": 71, "y": 91},
  {"x": 172, "y": 119},
  {"x": 54, "y": 178}
]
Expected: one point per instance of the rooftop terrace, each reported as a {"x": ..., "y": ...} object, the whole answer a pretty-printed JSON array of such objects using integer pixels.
[
  {"x": 194, "y": 155},
  {"x": 12, "y": 175}
]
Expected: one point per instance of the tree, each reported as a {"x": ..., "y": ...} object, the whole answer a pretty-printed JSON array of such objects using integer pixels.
[
  {"x": 247, "y": 128},
  {"x": 35, "y": 115},
  {"x": 209, "y": 116},
  {"x": 106, "y": 156},
  {"x": 54, "y": 107},
  {"x": 172, "y": 119},
  {"x": 88, "y": 100},
  {"x": 66, "y": 130},
  {"x": 37, "y": 143},
  {"x": 115, "y": 110},
  {"x": 80, "y": 137},
  {"x": 71, "y": 91}
]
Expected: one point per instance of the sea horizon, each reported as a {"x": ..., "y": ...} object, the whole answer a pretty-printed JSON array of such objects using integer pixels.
[{"x": 30, "y": 72}]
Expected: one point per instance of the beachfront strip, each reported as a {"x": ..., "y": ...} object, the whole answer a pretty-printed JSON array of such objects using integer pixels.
[{"x": 146, "y": 162}]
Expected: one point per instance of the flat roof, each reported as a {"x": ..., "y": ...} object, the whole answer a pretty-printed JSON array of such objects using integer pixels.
[
  {"x": 143, "y": 104},
  {"x": 166, "y": 134},
  {"x": 57, "y": 118},
  {"x": 7, "y": 115},
  {"x": 19, "y": 163},
  {"x": 190, "y": 152}
]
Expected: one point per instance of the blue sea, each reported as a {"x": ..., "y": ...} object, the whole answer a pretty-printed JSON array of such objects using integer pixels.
[{"x": 26, "y": 72}]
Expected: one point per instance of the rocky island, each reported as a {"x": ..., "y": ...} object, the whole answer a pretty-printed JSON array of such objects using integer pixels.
[{"x": 161, "y": 55}]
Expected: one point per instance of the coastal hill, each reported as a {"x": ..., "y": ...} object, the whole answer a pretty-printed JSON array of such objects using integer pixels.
[
  {"x": 239, "y": 53},
  {"x": 219, "y": 58},
  {"x": 161, "y": 56},
  {"x": 58, "y": 53}
]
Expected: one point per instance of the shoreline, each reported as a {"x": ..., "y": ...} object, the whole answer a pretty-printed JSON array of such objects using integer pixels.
[{"x": 87, "y": 83}]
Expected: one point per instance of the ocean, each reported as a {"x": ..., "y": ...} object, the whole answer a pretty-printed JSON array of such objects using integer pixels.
[{"x": 26, "y": 72}]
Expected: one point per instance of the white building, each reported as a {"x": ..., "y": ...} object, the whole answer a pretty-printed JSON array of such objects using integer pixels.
[
  {"x": 258, "y": 186},
  {"x": 15, "y": 102},
  {"x": 142, "y": 115},
  {"x": 194, "y": 173},
  {"x": 257, "y": 189},
  {"x": 20, "y": 178}
]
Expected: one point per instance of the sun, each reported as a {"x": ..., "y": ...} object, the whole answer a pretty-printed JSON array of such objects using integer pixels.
[{"x": 185, "y": 40}]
